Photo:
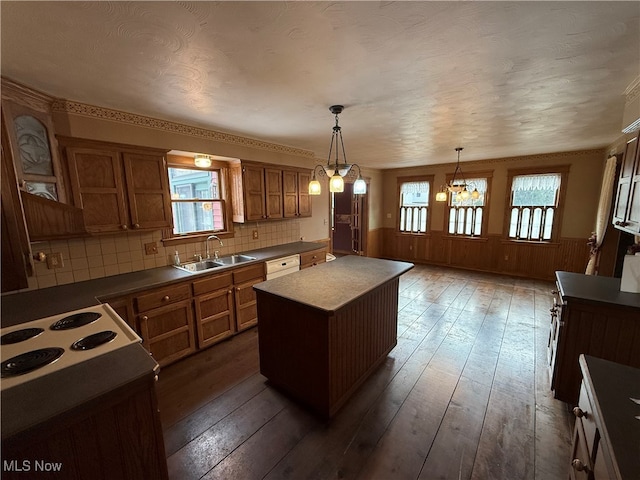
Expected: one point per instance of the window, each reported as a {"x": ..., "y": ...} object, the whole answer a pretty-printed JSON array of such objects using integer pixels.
[
  {"x": 196, "y": 201},
  {"x": 467, "y": 217},
  {"x": 414, "y": 204},
  {"x": 535, "y": 202}
]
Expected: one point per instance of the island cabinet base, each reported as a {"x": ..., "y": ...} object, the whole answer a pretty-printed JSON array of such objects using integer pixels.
[{"x": 321, "y": 357}]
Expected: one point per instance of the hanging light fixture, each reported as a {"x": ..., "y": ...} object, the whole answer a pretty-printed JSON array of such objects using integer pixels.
[
  {"x": 336, "y": 171},
  {"x": 202, "y": 161},
  {"x": 457, "y": 186}
]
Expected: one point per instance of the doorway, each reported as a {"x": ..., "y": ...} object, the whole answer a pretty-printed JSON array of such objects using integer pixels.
[{"x": 348, "y": 222}]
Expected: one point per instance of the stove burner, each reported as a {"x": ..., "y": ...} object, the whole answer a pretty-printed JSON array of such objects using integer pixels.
[
  {"x": 76, "y": 320},
  {"x": 20, "y": 335},
  {"x": 29, "y": 361},
  {"x": 93, "y": 341}
]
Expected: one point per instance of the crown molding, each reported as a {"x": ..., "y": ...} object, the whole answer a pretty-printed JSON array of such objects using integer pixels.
[
  {"x": 23, "y": 95},
  {"x": 632, "y": 91},
  {"x": 77, "y": 108}
]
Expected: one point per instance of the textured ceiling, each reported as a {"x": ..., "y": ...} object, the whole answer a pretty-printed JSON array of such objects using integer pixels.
[{"x": 417, "y": 78}]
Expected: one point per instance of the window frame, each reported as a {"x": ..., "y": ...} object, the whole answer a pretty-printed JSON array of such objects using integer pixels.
[
  {"x": 223, "y": 168},
  {"x": 488, "y": 176},
  {"x": 409, "y": 179},
  {"x": 563, "y": 171}
]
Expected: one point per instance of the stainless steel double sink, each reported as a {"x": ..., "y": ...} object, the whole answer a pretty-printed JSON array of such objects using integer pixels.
[{"x": 212, "y": 263}]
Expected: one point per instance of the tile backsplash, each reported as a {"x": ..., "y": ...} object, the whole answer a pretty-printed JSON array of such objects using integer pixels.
[{"x": 103, "y": 256}]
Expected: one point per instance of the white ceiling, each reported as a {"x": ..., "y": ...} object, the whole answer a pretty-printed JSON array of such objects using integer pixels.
[{"x": 417, "y": 78}]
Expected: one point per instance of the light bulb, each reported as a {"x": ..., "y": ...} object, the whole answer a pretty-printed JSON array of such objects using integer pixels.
[{"x": 336, "y": 183}]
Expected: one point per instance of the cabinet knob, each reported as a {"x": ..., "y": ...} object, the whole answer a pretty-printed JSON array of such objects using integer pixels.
[
  {"x": 554, "y": 292},
  {"x": 578, "y": 412},
  {"x": 136, "y": 225},
  {"x": 124, "y": 227},
  {"x": 145, "y": 318},
  {"x": 165, "y": 298},
  {"x": 579, "y": 466},
  {"x": 229, "y": 291}
]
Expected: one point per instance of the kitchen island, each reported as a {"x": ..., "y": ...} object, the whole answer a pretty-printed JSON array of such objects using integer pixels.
[{"x": 324, "y": 330}]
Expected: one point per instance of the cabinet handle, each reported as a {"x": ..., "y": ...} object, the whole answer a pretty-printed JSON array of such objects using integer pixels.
[
  {"x": 144, "y": 318},
  {"x": 579, "y": 466},
  {"x": 621, "y": 224},
  {"x": 124, "y": 227},
  {"x": 554, "y": 292},
  {"x": 165, "y": 298},
  {"x": 578, "y": 412}
]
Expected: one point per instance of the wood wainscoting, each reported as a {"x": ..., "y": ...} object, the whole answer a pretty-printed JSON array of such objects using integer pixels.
[{"x": 491, "y": 254}]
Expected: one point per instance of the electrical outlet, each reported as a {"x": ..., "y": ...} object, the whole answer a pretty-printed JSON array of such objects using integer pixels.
[
  {"x": 151, "y": 248},
  {"x": 255, "y": 234},
  {"x": 54, "y": 260}
]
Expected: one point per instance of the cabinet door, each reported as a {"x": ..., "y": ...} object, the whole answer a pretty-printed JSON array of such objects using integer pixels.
[
  {"x": 304, "y": 199},
  {"x": 214, "y": 316},
  {"x": 273, "y": 192},
  {"x": 290, "y": 193},
  {"x": 626, "y": 210},
  {"x": 168, "y": 332},
  {"x": 245, "y": 297},
  {"x": 147, "y": 191},
  {"x": 97, "y": 185},
  {"x": 253, "y": 182}
]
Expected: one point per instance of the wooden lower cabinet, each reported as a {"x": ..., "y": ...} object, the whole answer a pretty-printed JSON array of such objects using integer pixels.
[
  {"x": 592, "y": 317},
  {"x": 165, "y": 321},
  {"x": 117, "y": 435},
  {"x": 604, "y": 447},
  {"x": 313, "y": 258},
  {"x": 245, "y": 297},
  {"x": 214, "y": 307}
]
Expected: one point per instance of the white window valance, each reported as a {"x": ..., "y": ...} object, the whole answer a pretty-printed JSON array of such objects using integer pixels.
[
  {"x": 536, "y": 182},
  {"x": 414, "y": 187},
  {"x": 479, "y": 183}
]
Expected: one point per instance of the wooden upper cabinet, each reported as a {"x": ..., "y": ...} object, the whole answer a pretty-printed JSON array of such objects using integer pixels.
[
  {"x": 119, "y": 188},
  {"x": 257, "y": 192},
  {"x": 626, "y": 210},
  {"x": 297, "y": 202}
]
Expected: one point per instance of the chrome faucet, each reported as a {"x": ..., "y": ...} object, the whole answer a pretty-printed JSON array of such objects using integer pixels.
[{"x": 207, "y": 244}]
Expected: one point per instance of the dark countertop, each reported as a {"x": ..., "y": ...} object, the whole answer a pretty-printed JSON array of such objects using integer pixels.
[
  {"x": 43, "y": 398},
  {"x": 23, "y": 307},
  {"x": 595, "y": 289},
  {"x": 332, "y": 285},
  {"x": 32, "y": 403},
  {"x": 613, "y": 386}
]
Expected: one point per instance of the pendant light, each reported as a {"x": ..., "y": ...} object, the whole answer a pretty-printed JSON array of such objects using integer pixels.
[
  {"x": 336, "y": 170},
  {"x": 457, "y": 186}
]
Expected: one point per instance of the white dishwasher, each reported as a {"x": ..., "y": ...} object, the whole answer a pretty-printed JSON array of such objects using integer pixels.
[{"x": 282, "y": 266}]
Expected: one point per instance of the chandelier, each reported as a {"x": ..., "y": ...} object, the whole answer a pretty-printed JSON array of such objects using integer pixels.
[
  {"x": 457, "y": 186},
  {"x": 336, "y": 171}
]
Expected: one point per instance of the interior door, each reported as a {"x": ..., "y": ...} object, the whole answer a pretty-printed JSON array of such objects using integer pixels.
[{"x": 348, "y": 230}]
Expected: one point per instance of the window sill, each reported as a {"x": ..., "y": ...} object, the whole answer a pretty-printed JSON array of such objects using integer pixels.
[
  {"x": 466, "y": 238},
  {"x": 545, "y": 243},
  {"x": 412, "y": 234}
]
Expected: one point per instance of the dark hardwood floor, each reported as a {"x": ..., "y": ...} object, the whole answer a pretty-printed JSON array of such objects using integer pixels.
[{"x": 464, "y": 395}]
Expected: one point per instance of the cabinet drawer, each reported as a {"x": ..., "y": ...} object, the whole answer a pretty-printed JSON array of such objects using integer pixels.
[
  {"x": 164, "y": 296},
  {"x": 246, "y": 274},
  {"x": 585, "y": 414},
  {"x": 213, "y": 283},
  {"x": 581, "y": 465},
  {"x": 314, "y": 257}
]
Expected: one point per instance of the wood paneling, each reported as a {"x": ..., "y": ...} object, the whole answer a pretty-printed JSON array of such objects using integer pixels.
[
  {"x": 491, "y": 254},
  {"x": 319, "y": 357}
]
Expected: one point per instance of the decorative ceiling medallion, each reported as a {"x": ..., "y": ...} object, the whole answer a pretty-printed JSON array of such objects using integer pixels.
[{"x": 77, "y": 108}]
